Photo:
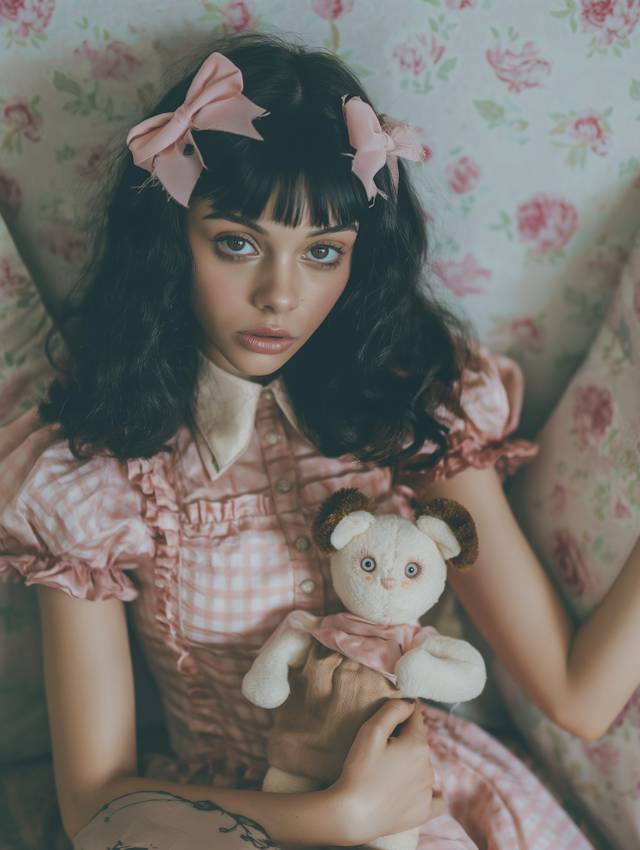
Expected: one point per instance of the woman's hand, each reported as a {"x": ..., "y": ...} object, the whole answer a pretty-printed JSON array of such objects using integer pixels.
[{"x": 386, "y": 785}]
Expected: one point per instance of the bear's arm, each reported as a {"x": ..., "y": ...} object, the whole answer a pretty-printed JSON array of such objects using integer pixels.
[
  {"x": 445, "y": 670},
  {"x": 267, "y": 682}
]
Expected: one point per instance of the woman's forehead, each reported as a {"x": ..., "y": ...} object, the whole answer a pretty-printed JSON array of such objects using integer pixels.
[{"x": 207, "y": 208}]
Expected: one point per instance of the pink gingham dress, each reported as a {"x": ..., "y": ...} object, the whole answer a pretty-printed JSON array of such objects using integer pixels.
[{"x": 210, "y": 542}]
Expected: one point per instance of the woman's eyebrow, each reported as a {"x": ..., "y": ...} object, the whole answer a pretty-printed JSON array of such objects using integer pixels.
[
  {"x": 338, "y": 228},
  {"x": 246, "y": 222},
  {"x": 253, "y": 225}
]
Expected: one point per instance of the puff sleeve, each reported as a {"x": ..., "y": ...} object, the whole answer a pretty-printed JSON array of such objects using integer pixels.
[
  {"x": 491, "y": 403},
  {"x": 73, "y": 525}
]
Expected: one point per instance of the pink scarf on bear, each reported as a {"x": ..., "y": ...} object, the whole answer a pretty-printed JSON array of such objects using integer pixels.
[{"x": 375, "y": 646}]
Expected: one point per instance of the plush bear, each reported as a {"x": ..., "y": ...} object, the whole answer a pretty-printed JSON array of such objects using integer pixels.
[{"x": 327, "y": 675}]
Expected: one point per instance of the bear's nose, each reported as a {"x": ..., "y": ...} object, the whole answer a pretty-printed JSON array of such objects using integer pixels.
[{"x": 388, "y": 583}]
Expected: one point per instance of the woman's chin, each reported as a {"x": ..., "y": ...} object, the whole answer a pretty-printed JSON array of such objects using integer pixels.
[{"x": 237, "y": 360}]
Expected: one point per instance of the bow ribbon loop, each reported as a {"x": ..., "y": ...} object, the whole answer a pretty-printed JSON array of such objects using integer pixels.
[
  {"x": 214, "y": 101},
  {"x": 377, "y": 145}
]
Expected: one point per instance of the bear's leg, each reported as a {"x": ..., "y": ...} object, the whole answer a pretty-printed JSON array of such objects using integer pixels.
[
  {"x": 289, "y": 783},
  {"x": 401, "y": 841}
]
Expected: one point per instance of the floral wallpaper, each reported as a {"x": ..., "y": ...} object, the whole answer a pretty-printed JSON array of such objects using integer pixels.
[{"x": 529, "y": 115}]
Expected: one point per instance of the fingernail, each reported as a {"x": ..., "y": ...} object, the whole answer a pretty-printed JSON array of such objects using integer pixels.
[{"x": 407, "y": 699}]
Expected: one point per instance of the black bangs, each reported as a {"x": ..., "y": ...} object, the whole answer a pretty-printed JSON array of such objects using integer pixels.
[
  {"x": 371, "y": 379},
  {"x": 298, "y": 168}
]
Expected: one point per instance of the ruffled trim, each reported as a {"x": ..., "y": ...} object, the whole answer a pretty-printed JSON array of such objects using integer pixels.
[
  {"x": 73, "y": 577},
  {"x": 162, "y": 516},
  {"x": 506, "y": 455},
  {"x": 478, "y": 438}
]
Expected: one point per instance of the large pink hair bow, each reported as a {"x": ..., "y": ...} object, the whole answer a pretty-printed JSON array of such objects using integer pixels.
[
  {"x": 214, "y": 101},
  {"x": 377, "y": 145}
]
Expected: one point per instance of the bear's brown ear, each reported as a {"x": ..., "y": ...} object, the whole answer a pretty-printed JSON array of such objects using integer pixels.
[
  {"x": 462, "y": 526},
  {"x": 334, "y": 508}
]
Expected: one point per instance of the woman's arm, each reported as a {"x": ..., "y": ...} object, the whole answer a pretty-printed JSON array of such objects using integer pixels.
[
  {"x": 90, "y": 698},
  {"x": 579, "y": 678}
]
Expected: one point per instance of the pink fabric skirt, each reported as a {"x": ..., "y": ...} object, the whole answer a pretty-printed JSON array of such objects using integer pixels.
[{"x": 493, "y": 803}]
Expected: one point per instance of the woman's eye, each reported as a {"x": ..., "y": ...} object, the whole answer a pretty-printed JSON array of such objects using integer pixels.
[
  {"x": 323, "y": 254},
  {"x": 236, "y": 245},
  {"x": 412, "y": 570},
  {"x": 368, "y": 565}
]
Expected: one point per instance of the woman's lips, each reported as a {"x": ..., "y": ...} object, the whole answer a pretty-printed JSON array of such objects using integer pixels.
[{"x": 265, "y": 340}]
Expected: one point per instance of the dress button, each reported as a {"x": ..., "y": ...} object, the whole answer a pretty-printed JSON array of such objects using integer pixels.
[
  {"x": 267, "y": 395},
  {"x": 302, "y": 544},
  {"x": 283, "y": 485},
  {"x": 308, "y": 586},
  {"x": 272, "y": 437}
]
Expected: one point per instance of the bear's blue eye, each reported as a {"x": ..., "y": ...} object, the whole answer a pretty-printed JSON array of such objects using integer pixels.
[
  {"x": 412, "y": 570},
  {"x": 368, "y": 565}
]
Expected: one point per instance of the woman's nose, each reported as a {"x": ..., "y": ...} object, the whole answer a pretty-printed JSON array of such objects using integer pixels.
[{"x": 277, "y": 290}]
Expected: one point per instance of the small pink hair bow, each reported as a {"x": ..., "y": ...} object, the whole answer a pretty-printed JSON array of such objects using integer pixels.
[
  {"x": 214, "y": 102},
  {"x": 375, "y": 147}
]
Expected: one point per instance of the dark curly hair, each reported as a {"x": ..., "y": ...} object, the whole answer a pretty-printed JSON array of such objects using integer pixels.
[{"x": 369, "y": 380}]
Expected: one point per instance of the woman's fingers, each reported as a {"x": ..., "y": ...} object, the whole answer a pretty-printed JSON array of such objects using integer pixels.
[
  {"x": 414, "y": 725},
  {"x": 387, "y": 718}
]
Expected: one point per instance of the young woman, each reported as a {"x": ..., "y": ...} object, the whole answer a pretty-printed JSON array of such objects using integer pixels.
[{"x": 252, "y": 335}]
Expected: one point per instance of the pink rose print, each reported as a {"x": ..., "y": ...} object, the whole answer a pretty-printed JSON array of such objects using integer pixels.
[
  {"x": 10, "y": 283},
  {"x": 12, "y": 391},
  {"x": 528, "y": 334},
  {"x": 463, "y": 175},
  {"x": 558, "y": 500},
  {"x": 524, "y": 70},
  {"x": 462, "y": 278},
  {"x": 610, "y": 19},
  {"x": 636, "y": 299},
  {"x": 589, "y": 131},
  {"x": 17, "y": 114},
  {"x": 587, "y": 128},
  {"x": 603, "y": 754},
  {"x": 416, "y": 53},
  {"x": 26, "y": 17},
  {"x": 10, "y": 197},
  {"x": 114, "y": 61},
  {"x": 592, "y": 414},
  {"x": 621, "y": 511},
  {"x": 91, "y": 161},
  {"x": 456, "y": 5},
  {"x": 569, "y": 562},
  {"x": 240, "y": 16},
  {"x": 331, "y": 9},
  {"x": 547, "y": 220},
  {"x": 61, "y": 243}
]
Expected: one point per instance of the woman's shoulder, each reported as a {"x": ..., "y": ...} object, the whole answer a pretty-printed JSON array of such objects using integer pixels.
[
  {"x": 491, "y": 396},
  {"x": 69, "y": 522},
  {"x": 480, "y": 422}
]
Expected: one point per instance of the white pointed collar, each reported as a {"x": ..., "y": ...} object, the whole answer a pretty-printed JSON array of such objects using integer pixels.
[{"x": 225, "y": 413}]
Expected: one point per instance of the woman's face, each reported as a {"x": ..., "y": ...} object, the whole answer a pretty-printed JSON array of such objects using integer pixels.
[{"x": 260, "y": 289}]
